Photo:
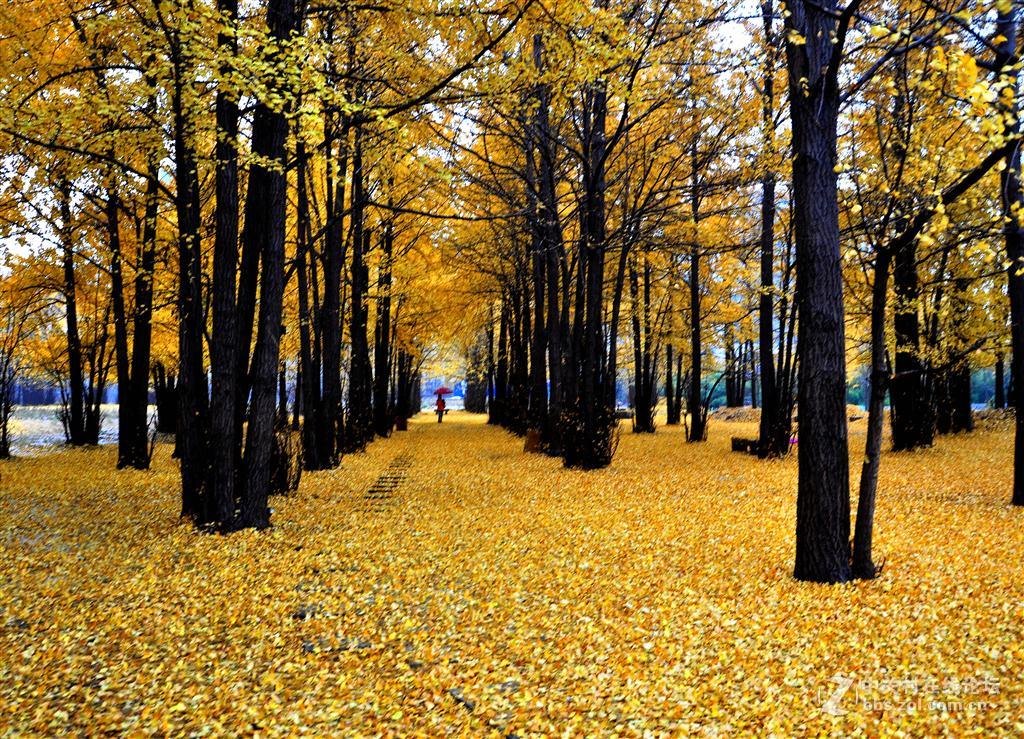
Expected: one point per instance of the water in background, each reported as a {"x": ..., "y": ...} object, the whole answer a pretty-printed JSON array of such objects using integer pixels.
[
  {"x": 36, "y": 428},
  {"x": 451, "y": 402}
]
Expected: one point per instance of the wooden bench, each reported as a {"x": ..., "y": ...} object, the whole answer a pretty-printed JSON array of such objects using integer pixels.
[{"x": 747, "y": 446}]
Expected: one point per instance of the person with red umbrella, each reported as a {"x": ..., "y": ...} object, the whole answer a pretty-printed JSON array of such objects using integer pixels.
[{"x": 440, "y": 409}]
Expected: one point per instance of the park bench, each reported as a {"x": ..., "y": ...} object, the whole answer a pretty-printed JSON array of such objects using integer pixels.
[{"x": 747, "y": 446}]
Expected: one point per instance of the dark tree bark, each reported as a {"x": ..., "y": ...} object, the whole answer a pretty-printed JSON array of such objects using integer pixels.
[
  {"x": 359, "y": 421},
  {"x": 282, "y": 395},
  {"x": 517, "y": 406},
  {"x": 695, "y": 402},
  {"x": 125, "y": 416},
  {"x": 407, "y": 392},
  {"x": 943, "y": 401},
  {"x": 142, "y": 333},
  {"x": 768, "y": 430},
  {"x": 224, "y": 362},
  {"x": 863, "y": 563},
  {"x": 730, "y": 373},
  {"x": 681, "y": 389},
  {"x": 491, "y": 370},
  {"x": 359, "y": 416},
  {"x": 76, "y": 392},
  {"x": 823, "y": 500},
  {"x": 264, "y": 232},
  {"x": 382, "y": 411},
  {"x": 165, "y": 389},
  {"x": 999, "y": 401},
  {"x": 8, "y": 377},
  {"x": 297, "y": 398},
  {"x": 671, "y": 412},
  {"x": 588, "y": 428},
  {"x": 1013, "y": 202},
  {"x": 132, "y": 365},
  {"x": 958, "y": 374},
  {"x": 962, "y": 419},
  {"x": 768, "y": 444},
  {"x": 753, "y": 374},
  {"x": 192, "y": 442},
  {"x": 476, "y": 376},
  {"x": 538, "y": 394},
  {"x": 911, "y": 409},
  {"x": 787, "y": 362},
  {"x": 697, "y": 429},
  {"x": 618, "y": 288},
  {"x": 328, "y": 413},
  {"x": 98, "y": 362},
  {"x": 741, "y": 375},
  {"x": 314, "y": 454},
  {"x": 645, "y": 365},
  {"x": 498, "y": 403},
  {"x": 553, "y": 253}
]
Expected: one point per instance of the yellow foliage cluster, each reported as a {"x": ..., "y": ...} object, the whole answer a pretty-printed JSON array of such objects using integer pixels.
[{"x": 495, "y": 592}]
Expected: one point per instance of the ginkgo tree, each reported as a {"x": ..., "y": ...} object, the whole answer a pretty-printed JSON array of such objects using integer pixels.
[{"x": 289, "y": 202}]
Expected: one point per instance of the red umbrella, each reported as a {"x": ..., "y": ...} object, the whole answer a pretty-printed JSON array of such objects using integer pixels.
[{"x": 442, "y": 391}]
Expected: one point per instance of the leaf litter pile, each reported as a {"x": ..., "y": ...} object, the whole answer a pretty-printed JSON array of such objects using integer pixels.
[{"x": 491, "y": 591}]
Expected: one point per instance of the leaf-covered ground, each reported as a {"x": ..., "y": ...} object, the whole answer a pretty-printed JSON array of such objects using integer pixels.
[{"x": 497, "y": 592}]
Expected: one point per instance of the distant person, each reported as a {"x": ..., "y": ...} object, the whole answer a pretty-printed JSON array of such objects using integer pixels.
[{"x": 440, "y": 408}]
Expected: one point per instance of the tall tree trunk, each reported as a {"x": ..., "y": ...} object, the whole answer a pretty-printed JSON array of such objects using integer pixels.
[
  {"x": 698, "y": 417},
  {"x": 165, "y": 388},
  {"x": 224, "y": 362},
  {"x": 698, "y": 426},
  {"x": 192, "y": 388},
  {"x": 499, "y": 402},
  {"x": 589, "y": 425},
  {"x": 643, "y": 421},
  {"x": 767, "y": 443},
  {"x": 730, "y": 370},
  {"x": 132, "y": 374},
  {"x": 297, "y": 397},
  {"x": 266, "y": 215},
  {"x": 672, "y": 418},
  {"x": 359, "y": 422},
  {"x": 76, "y": 393},
  {"x": 382, "y": 411},
  {"x": 863, "y": 564},
  {"x": 911, "y": 417},
  {"x": 960, "y": 394},
  {"x": 309, "y": 372},
  {"x": 959, "y": 373},
  {"x": 539, "y": 339},
  {"x": 553, "y": 253},
  {"x": 126, "y": 452},
  {"x": 647, "y": 393},
  {"x": 753, "y": 374},
  {"x": 142, "y": 331},
  {"x": 359, "y": 418},
  {"x": 681, "y": 388},
  {"x": 823, "y": 499},
  {"x": 999, "y": 401},
  {"x": 329, "y": 412},
  {"x": 491, "y": 370},
  {"x": 768, "y": 427},
  {"x": 1013, "y": 207},
  {"x": 618, "y": 288}
]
